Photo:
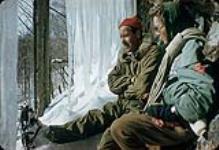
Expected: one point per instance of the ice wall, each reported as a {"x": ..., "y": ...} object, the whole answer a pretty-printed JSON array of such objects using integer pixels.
[
  {"x": 8, "y": 64},
  {"x": 93, "y": 42}
]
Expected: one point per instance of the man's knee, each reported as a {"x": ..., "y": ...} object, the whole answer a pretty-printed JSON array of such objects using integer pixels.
[
  {"x": 121, "y": 126},
  {"x": 116, "y": 128}
]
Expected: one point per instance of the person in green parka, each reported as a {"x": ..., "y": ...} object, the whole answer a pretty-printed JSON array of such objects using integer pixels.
[
  {"x": 181, "y": 97},
  {"x": 130, "y": 79}
]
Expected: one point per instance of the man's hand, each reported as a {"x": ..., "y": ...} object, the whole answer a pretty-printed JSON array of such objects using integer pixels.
[
  {"x": 161, "y": 123},
  {"x": 158, "y": 122},
  {"x": 200, "y": 68}
]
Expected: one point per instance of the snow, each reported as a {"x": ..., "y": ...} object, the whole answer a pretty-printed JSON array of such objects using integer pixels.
[{"x": 19, "y": 145}]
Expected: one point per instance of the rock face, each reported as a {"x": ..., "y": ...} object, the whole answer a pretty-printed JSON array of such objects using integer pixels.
[
  {"x": 213, "y": 134},
  {"x": 212, "y": 140}
]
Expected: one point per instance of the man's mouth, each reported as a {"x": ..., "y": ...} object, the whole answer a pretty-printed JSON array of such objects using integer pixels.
[{"x": 127, "y": 46}]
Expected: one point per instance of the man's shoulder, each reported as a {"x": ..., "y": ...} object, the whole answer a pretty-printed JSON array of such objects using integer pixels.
[
  {"x": 149, "y": 49},
  {"x": 146, "y": 40}
]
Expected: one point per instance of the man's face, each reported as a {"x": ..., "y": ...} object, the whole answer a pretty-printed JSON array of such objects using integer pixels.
[
  {"x": 129, "y": 39},
  {"x": 159, "y": 28}
]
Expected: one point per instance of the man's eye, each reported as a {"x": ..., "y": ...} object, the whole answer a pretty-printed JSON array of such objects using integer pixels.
[{"x": 156, "y": 28}]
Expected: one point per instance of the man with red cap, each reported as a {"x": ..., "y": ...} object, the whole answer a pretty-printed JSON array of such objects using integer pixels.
[{"x": 130, "y": 79}]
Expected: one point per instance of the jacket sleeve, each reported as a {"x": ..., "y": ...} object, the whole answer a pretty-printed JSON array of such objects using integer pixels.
[
  {"x": 141, "y": 84},
  {"x": 119, "y": 78}
]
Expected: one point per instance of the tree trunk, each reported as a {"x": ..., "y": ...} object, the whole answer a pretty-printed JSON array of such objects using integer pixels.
[
  {"x": 41, "y": 58},
  {"x": 35, "y": 52}
]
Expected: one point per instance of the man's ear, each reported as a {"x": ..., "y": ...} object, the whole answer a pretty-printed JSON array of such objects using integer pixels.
[{"x": 139, "y": 34}]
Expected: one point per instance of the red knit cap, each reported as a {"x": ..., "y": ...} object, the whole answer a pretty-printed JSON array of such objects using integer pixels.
[{"x": 132, "y": 22}]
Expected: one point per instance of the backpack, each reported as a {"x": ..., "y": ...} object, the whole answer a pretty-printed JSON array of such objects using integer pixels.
[{"x": 172, "y": 51}]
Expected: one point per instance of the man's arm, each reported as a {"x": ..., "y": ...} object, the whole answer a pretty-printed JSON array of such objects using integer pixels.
[
  {"x": 119, "y": 78},
  {"x": 141, "y": 85}
]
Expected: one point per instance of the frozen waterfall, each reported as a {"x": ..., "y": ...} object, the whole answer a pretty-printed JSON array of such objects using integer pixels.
[{"x": 93, "y": 42}]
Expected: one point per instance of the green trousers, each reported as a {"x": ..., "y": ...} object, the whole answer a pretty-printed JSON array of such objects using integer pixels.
[
  {"x": 94, "y": 122},
  {"x": 137, "y": 131}
]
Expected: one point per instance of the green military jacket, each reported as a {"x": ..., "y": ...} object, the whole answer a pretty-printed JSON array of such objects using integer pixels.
[{"x": 133, "y": 75}]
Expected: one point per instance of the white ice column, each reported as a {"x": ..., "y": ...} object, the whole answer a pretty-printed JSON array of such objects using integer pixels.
[{"x": 8, "y": 64}]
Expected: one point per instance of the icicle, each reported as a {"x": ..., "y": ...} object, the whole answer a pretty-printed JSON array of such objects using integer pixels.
[{"x": 8, "y": 72}]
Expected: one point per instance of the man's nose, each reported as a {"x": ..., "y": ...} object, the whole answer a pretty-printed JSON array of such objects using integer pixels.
[{"x": 122, "y": 39}]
